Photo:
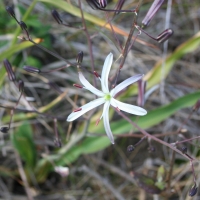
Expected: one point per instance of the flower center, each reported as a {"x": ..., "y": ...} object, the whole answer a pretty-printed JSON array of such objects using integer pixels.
[{"x": 107, "y": 97}]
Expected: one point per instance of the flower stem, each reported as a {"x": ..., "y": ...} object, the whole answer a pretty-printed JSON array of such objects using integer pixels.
[{"x": 153, "y": 137}]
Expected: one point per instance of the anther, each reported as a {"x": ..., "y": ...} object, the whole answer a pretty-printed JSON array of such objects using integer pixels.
[
  {"x": 77, "y": 85},
  {"x": 96, "y": 74},
  {"x": 117, "y": 109},
  {"x": 97, "y": 122},
  {"x": 77, "y": 110}
]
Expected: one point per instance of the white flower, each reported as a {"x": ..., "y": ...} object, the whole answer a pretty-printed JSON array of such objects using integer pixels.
[{"x": 106, "y": 97}]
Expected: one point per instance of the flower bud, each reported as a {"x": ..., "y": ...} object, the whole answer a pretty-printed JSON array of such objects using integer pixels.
[
  {"x": 193, "y": 190},
  {"x": 56, "y": 16},
  {"x": 77, "y": 110},
  {"x": 10, "y": 10},
  {"x": 21, "y": 85},
  {"x": 4, "y": 129},
  {"x": 57, "y": 142},
  {"x": 23, "y": 25},
  {"x": 31, "y": 69},
  {"x": 165, "y": 35},
  {"x": 79, "y": 57},
  {"x": 93, "y": 4},
  {"x": 152, "y": 149},
  {"x": 152, "y": 11},
  {"x": 9, "y": 70},
  {"x": 130, "y": 148},
  {"x": 77, "y": 85},
  {"x": 96, "y": 74},
  {"x": 119, "y": 6},
  {"x": 103, "y": 3},
  {"x": 184, "y": 149}
]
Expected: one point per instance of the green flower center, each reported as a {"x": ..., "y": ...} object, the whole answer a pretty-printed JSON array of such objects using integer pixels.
[{"x": 107, "y": 97}]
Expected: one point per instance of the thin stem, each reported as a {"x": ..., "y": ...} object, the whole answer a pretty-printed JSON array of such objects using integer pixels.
[
  {"x": 113, "y": 32},
  {"x": 46, "y": 50},
  {"x": 12, "y": 111},
  {"x": 55, "y": 128},
  {"x": 17, "y": 32},
  {"x": 153, "y": 137},
  {"x": 185, "y": 122},
  {"x": 170, "y": 171},
  {"x": 88, "y": 40},
  {"x": 140, "y": 141},
  {"x": 66, "y": 25},
  {"x": 165, "y": 48},
  {"x": 187, "y": 140},
  {"x": 125, "y": 50},
  {"x": 43, "y": 109},
  {"x": 133, "y": 41},
  {"x": 53, "y": 70},
  {"x": 23, "y": 176},
  {"x": 193, "y": 172},
  {"x": 117, "y": 76},
  {"x": 120, "y": 11}
]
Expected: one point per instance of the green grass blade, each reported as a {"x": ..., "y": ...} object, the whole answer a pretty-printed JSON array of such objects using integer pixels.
[{"x": 22, "y": 140}]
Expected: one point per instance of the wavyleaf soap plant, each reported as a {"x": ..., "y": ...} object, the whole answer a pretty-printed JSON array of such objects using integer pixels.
[{"x": 107, "y": 97}]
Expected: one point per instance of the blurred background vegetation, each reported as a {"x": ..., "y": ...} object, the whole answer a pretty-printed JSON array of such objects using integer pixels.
[{"x": 95, "y": 169}]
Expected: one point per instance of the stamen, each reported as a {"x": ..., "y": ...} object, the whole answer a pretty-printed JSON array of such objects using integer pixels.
[
  {"x": 77, "y": 85},
  {"x": 117, "y": 109},
  {"x": 77, "y": 110},
  {"x": 97, "y": 122},
  {"x": 96, "y": 74}
]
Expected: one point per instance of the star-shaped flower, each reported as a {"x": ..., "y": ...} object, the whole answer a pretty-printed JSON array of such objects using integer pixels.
[{"x": 106, "y": 97}]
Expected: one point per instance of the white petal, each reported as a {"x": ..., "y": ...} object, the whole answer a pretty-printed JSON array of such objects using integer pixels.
[
  {"x": 106, "y": 121},
  {"x": 125, "y": 83},
  {"x": 105, "y": 72},
  {"x": 85, "y": 108},
  {"x": 89, "y": 87},
  {"x": 135, "y": 110}
]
